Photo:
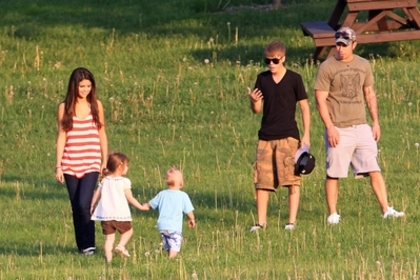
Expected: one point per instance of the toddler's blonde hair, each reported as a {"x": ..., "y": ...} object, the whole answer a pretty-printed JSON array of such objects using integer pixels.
[{"x": 173, "y": 176}]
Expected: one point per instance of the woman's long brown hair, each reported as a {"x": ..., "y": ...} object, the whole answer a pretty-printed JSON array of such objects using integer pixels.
[{"x": 78, "y": 75}]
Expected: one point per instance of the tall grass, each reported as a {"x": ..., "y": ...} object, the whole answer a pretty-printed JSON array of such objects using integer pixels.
[{"x": 173, "y": 77}]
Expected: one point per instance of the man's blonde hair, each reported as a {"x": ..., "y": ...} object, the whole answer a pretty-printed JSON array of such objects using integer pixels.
[
  {"x": 173, "y": 176},
  {"x": 275, "y": 48}
]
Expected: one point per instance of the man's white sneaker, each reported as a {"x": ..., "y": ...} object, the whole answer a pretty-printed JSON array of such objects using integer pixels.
[
  {"x": 258, "y": 226},
  {"x": 391, "y": 212},
  {"x": 333, "y": 219}
]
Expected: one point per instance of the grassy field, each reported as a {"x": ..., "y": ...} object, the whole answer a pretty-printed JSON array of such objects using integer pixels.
[{"x": 173, "y": 76}]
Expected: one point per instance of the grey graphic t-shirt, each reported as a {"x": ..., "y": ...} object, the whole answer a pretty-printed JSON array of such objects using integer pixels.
[{"x": 345, "y": 82}]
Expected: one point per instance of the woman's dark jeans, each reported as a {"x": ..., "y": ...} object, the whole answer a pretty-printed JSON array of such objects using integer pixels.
[{"x": 81, "y": 192}]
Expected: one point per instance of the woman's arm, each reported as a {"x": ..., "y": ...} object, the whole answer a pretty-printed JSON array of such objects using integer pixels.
[{"x": 61, "y": 142}]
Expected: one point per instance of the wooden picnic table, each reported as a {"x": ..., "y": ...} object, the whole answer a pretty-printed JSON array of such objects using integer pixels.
[{"x": 387, "y": 21}]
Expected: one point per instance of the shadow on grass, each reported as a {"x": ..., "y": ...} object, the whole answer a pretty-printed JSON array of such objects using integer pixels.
[
  {"x": 210, "y": 206},
  {"x": 30, "y": 188},
  {"x": 44, "y": 249},
  {"x": 28, "y": 18},
  {"x": 226, "y": 210},
  {"x": 32, "y": 20},
  {"x": 244, "y": 54},
  {"x": 368, "y": 51}
]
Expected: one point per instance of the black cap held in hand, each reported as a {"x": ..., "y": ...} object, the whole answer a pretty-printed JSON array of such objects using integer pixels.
[{"x": 305, "y": 164}]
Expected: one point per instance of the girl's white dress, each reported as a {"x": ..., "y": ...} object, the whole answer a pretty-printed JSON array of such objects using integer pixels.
[{"x": 113, "y": 205}]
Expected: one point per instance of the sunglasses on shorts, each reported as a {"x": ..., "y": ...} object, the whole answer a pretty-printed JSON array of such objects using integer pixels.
[{"x": 274, "y": 60}]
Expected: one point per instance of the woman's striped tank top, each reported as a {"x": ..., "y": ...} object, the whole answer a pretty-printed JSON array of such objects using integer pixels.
[{"x": 82, "y": 152}]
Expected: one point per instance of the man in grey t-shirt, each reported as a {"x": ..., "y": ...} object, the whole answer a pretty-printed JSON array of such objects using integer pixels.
[{"x": 343, "y": 87}]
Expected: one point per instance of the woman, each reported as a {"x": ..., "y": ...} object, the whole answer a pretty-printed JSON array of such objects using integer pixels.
[{"x": 81, "y": 144}]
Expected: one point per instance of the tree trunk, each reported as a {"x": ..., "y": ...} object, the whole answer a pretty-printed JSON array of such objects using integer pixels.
[{"x": 276, "y": 4}]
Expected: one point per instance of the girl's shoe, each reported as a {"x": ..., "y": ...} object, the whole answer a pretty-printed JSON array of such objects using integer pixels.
[{"x": 120, "y": 250}]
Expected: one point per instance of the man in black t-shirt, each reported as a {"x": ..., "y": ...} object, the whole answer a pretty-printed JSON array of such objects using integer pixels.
[{"x": 277, "y": 92}]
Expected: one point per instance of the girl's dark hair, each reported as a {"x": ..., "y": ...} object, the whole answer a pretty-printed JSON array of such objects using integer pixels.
[
  {"x": 78, "y": 75},
  {"x": 115, "y": 160}
]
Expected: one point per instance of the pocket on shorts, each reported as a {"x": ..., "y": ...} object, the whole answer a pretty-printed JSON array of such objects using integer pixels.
[
  {"x": 256, "y": 172},
  {"x": 293, "y": 144},
  {"x": 289, "y": 161}
]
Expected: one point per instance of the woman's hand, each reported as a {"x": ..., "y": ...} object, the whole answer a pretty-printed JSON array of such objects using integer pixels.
[{"x": 59, "y": 176}]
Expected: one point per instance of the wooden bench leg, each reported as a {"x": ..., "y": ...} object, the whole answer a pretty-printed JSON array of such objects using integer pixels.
[
  {"x": 414, "y": 14},
  {"x": 382, "y": 25},
  {"x": 331, "y": 52},
  {"x": 319, "y": 52}
]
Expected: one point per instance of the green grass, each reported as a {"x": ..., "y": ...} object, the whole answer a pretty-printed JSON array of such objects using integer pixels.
[{"x": 173, "y": 77}]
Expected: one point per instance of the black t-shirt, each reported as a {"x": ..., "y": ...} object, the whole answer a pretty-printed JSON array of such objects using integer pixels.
[{"x": 279, "y": 105}]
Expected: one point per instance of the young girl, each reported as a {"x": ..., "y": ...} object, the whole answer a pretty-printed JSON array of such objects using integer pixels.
[
  {"x": 81, "y": 144},
  {"x": 113, "y": 210}
]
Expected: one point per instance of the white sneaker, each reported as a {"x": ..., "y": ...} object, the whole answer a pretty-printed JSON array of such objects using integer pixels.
[
  {"x": 333, "y": 219},
  {"x": 391, "y": 212},
  {"x": 89, "y": 251},
  {"x": 258, "y": 226},
  {"x": 289, "y": 227}
]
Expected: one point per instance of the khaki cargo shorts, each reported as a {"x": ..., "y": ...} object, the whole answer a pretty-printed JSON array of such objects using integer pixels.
[{"x": 275, "y": 164}]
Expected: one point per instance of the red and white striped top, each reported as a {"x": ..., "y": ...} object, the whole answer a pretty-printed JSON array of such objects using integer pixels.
[{"x": 82, "y": 152}]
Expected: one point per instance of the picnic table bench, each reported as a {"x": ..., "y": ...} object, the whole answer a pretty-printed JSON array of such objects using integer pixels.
[{"x": 387, "y": 21}]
